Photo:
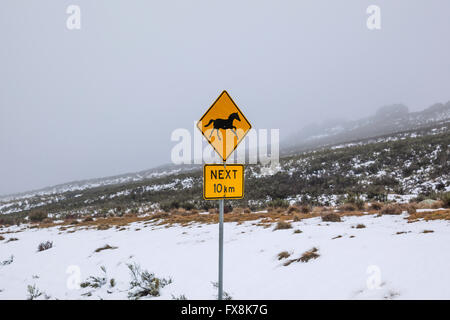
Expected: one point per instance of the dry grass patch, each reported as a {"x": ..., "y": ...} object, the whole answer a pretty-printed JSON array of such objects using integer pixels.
[
  {"x": 430, "y": 204},
  {"x": 103, "y": 227},
  {"x": 409, "y": 207},
  {"x": 305, "y": 208},
  {"x": 376, "y": 206},
  {"x": 305, "y": 257},
  {"x": 283, "y": 255},
  {"x": 427, "y": 231},
  {"x": 360, "y": 226},
  {"x": 337, "y": 237},
  {"x": 282, "y": 225},
  {"x": 105, "y": 247},
  {"x": 348, "y": 207},
  {"x": 392, "y": 208},
  {"x": 298, "y": 231},
  {"x": 293, "y": 209},
  {"x": 430, "y": 215},
  {"x": 238, "y": 210},
  {"x": 310, "y": 254},
  {"x": 331, "y": 217}
]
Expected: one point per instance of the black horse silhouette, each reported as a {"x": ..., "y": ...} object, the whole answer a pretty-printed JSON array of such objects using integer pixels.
[{"x": 224, "y": 124}]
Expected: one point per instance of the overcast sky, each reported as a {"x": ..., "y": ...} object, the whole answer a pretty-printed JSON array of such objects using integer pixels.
[{"x": 104, "y": 100}]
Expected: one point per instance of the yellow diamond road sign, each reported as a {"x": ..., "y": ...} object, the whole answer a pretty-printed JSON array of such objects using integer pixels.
[{"x": 224, "y": 125}]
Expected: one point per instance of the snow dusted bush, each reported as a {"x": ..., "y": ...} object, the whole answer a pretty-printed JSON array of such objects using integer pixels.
[
  {"x": 144, "y": 283},
  {"x": 7, "y": 261},
  {"x": 278, "y": 203},
  {"x": 226, "y": 295},
  {"x": 95, "y": 282},
  {"x": 33, "y": 292},
  {"x": 45, "y": 245}
]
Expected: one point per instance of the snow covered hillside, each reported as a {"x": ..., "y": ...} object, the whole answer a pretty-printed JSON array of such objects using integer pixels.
[
  {"x": 387, "y": 120},
  {"x": 363, "y": 257},
  {"x": 415, "y": 162}
]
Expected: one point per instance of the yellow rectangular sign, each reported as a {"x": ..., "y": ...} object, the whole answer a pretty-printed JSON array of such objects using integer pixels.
[{"x": 223, "y": 182}]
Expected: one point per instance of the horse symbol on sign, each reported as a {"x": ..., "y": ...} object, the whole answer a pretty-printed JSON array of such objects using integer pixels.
[{"x": 224, "y": 124}]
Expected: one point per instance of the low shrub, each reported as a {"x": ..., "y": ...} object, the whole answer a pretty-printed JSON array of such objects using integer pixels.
[
  {"x": 282, "y": 225},
  {"x": 305, "y": 208},
  {"x": 391, "y": 208},
  {"x": 360, "y": 226},
  {"x": 37, "y": 216},
  {"x": 376, "y": 205},
  {"x": 430, "y": 204},
  {"x": 410, "y": 207},
  {"x": 7, "y": 261},
  {"x": 347, "y": 207},
  {"x": 47, "y": 221},
  {"x": 247, "y": 210},
  {"x": 159, "y": 215},
  {"x": 45, "y": 245},
  {"x": 331, "y": 217},
  {"x": 33, "y": 292},
  {"x": 144, "y": 283},
  {"x": 305, "y": 257},
  {"x": 310, "y": 254},
  {"x": 445, "y": 198},
  {"x": 283, "y": 255},
  {"x": 238, "y": 210},
  {"x": 95, "y": 282},
  {"x": 278, "y": 203},
  {"x": 293, "y": 209}
]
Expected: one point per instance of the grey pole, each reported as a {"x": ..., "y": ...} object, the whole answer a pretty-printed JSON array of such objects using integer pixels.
[{"x": 220, "y": 295}]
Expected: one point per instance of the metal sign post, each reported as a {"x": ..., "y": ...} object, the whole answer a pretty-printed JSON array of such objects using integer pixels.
[
  {"x": 220, "y": 183},
  {"x": 220, "y": 295}
]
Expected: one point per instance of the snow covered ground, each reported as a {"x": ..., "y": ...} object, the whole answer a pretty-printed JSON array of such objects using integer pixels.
[{"x": 364, "y": 263}]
